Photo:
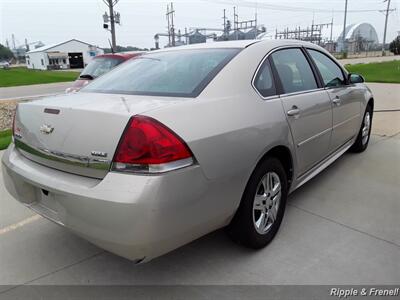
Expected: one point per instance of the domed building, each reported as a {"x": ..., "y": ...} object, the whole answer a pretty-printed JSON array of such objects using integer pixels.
[{"x": 358, "y": 37}]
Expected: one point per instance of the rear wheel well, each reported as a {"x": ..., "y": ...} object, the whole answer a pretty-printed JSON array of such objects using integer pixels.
[{"x": 283, "y": 154}]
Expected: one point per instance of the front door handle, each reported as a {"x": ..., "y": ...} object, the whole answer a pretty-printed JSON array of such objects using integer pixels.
[
  {"x": 337, "y": 100},
  {"x": 295, "y": 111}
]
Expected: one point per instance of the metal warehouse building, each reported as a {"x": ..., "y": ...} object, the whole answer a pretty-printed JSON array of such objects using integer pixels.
[{"x": 72, "y": 54}]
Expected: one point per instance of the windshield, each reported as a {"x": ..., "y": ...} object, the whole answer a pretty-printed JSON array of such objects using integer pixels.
[
  {"x": 172, "y": 73},
  {"x": 100, "y": 66}
]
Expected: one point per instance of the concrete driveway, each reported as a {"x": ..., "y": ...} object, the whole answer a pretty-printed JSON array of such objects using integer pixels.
[{"x": 343, "y": 227}]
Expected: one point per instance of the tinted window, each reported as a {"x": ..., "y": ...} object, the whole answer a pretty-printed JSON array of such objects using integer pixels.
[
  {"x": 294, "y": 70},
  {"x": 331, "y": 74},
  {"x": 264, "y": 81},
  {"x": 172, "y": 73}
]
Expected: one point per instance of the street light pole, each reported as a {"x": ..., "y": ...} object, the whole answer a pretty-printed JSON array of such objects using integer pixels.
[
  {"x": 386, "y": 22},
  {"x": 344, "y": 30}
]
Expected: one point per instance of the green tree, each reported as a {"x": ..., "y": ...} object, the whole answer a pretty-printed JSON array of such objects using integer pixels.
[
  {"x": 5, "y": 53},
  {"x": 395, "y": 46}
]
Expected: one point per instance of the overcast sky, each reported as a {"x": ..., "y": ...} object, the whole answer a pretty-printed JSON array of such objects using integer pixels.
[{"x": 53, "y": 21}]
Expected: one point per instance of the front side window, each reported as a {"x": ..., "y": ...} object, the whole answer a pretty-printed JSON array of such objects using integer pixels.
[
  {"x": 173, "y": 73},
  {"x": 331, "y": 73},
  {"x": 294, "y": 70},
  {"x": 264, "y": 82}
]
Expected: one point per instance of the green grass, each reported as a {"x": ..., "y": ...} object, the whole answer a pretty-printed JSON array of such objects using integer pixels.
[
  {"x": 24, "y": 76},
  {"x": 5, "y": 139},
  {"x": 386, "y": 72}
]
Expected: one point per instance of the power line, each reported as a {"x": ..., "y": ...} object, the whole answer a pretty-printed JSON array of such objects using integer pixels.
[{"x": 259, "y": 5}]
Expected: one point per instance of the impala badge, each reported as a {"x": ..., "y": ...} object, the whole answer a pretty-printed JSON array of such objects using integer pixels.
[
  {"x": 46, "y": 129},
  {"x": 99, "y": 153}
]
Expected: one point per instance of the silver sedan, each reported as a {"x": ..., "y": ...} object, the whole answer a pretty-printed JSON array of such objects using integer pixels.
[{"x": 179, "y": 142}]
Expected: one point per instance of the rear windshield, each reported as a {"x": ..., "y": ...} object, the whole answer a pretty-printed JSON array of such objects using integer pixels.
[
  {"x": 182, "y": 73},
  {"x": 100, "y": 66}
]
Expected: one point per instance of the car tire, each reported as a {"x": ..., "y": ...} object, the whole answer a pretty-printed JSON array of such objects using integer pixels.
[
  {"x": 364, "y": 134},
  {"x": 261, "y": 198}
]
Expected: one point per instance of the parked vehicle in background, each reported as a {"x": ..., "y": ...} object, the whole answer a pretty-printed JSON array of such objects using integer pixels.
[
  {"x": 100, "y": 65},
  {"x": 4, "y": 65},
  {"x": 180, "y": 142}
]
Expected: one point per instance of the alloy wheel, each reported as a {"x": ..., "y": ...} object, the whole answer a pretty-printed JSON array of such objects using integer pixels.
[
  {"x": 366, "y": 128},
  {"x": 266, "y": 202}
]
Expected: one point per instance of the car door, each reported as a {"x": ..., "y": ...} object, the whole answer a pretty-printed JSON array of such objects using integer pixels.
[
  {"x": 345, "y": 99},
  {"x": 307, "y": 106}
]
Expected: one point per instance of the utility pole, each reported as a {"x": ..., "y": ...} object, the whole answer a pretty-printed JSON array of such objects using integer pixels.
[
  {"x": 168, "y": 26},
  {"x": 330, "y": 38},
  {"x": 386, "y": 22},
  {"x": 344, "y": 30},
  {"x": 235, "y": 22},
  {"x": 171, "y": 28},
  {"x": 224, "y": 17},
  {"x": 113, "y": 18},
  {"x": 13, "y": 41}
]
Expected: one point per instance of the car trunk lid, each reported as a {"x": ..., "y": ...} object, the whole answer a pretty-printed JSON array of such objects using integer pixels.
[{"x": 78, "y": 133}]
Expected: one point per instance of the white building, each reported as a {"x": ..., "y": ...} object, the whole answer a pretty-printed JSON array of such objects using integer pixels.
[{"x": 70, "y": 54}]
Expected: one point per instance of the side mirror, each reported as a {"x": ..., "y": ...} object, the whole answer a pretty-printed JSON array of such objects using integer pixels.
[{"x": 355, "y": 78}]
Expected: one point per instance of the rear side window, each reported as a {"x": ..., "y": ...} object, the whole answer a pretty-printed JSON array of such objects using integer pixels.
[
  {"x": 331, "y": 73},
  {"x": 99, "y": 66},
  {"x": 264, "y": 82},
  {"x": 294, "y": 70},
  {"x": 172, "y": 73}
]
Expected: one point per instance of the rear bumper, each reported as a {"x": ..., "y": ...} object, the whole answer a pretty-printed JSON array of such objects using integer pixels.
[{"x": 135, "y": 216}]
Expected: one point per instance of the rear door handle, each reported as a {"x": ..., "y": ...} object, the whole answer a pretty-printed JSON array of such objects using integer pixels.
[
  {"x": 295, "y": 111},
  {"x": 337, "y": 100}
]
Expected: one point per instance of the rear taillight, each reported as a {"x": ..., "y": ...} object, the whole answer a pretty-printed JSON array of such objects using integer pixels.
[{"x": 148, "y": 146}]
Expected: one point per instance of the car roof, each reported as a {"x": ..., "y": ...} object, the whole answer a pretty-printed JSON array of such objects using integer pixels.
[
  {"x": 122, "y": 55},
  {"x": 241, "y": 44}
]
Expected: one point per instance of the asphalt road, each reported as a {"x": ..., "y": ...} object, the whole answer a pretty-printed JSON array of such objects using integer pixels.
[
  {"x": 364, "y": 60},
  {"x": 36, "y": 90},
  {"x": 343, "y": 227}
]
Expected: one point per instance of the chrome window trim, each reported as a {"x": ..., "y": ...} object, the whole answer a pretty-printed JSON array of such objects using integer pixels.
[
  {"x": 284, "y": 94},
  {"x": 301, "y": 92}
]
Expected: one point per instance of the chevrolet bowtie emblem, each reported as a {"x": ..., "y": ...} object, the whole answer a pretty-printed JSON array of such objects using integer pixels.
[{"x": 46, "y": 129}]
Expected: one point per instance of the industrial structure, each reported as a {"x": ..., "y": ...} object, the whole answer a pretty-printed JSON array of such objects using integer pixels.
[
  {"x": 231, "y": 30},
  {"x": 311, "y": 33},
  {"x": 358, "y": 37},
  {"x": 66, "y": 55},
  {"x": 19, "y": 51}
]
